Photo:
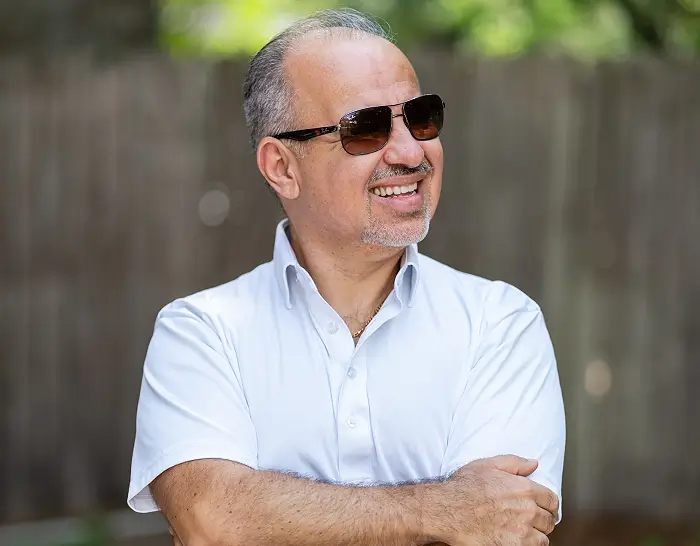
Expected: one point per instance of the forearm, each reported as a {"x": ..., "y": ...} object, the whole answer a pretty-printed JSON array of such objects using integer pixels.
[
  {"x": 269, "y": 508},
  {"x": 282, "y": 509}
]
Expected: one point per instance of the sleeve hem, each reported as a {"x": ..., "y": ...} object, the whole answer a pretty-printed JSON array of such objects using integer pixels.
[
  {"x": 544, "y": 480},
  {"x": 140, "y": 498}
]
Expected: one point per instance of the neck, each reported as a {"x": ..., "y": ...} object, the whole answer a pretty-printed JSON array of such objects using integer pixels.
[{"x": 354, "y": 279}]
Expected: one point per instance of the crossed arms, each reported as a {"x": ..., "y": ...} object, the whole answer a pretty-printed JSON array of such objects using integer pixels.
[
  {"x": 221, "y": 503},
  {"x": 512, "y": 404}
]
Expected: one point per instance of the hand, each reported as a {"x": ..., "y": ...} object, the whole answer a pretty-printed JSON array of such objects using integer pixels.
[{"x": 491, "y": 502}]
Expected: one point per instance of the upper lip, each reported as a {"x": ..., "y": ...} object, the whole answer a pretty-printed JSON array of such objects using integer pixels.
[{"x": 397, "y": 181}]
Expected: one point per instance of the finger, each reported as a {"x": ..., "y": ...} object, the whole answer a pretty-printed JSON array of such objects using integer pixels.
[
  {"x": 544, "y": 521},
  {"x": 536, "y": 538},
  {"x": 518, "y": 466},
  {"x": 547, "y": 499}
]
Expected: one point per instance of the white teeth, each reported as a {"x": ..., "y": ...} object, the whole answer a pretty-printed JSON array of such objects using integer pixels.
[{"x": 395, "y": 190}]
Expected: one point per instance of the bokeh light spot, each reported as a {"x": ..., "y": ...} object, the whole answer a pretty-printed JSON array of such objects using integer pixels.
[
  {"x": 598, "y": 378},
  {"x": 214, "y": 207}
]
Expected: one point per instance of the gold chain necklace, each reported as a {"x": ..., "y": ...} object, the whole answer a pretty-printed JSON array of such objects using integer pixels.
[{"x": 361, "y": 330}]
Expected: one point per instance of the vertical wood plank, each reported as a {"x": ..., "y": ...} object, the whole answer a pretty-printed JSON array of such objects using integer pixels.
[
  {"x": 15, "y": 121},
  {"x": 579, "y": 185}
]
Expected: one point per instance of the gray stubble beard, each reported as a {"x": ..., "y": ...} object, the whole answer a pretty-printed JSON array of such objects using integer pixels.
[{"x": 381, "y": 235}]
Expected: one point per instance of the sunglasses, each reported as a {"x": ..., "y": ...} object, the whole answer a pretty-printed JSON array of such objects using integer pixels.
[{"x": 367, "y": 130}]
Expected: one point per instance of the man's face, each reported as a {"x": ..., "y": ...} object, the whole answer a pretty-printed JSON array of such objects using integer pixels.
[{"x": 335, "y": 76}]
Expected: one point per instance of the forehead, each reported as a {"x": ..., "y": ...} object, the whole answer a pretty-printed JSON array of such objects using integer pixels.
[{"x": 335, "y": 73}]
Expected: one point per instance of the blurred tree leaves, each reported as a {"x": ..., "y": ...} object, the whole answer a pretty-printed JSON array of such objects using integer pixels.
[
  {"x": 223, "y": 27},
  {"x": 587, "y": 29}
]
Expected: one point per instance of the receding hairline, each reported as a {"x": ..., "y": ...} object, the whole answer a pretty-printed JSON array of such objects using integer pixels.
[
  {"x": 333, "y": 32},
  {"x": 305, "y": 45},
  {"x": 269, "y": 86},
  {"x": 304, "y": 104}
]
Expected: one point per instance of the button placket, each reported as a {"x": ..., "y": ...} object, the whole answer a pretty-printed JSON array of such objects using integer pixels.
[
  {"x": 354, "y": 427},
  {"x": 328, "y": 325}
]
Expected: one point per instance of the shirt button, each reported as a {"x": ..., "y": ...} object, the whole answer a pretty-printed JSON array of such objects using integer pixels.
[
  {"x": 352, "y": 373},
  {"x": 351, "y": 422},
  {"x": 332, "y": 327}
]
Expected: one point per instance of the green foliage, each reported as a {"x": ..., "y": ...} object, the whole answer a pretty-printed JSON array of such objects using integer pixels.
[
  {"x": 653, "y": 541},
  {"x": 224, "y": 27},
  {"x": 587, "y": 29},
  {"x": 93, "y": 532}
]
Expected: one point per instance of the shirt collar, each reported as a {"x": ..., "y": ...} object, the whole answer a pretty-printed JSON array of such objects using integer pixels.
[
  {"x": 409, "y": 266},
  {"x": 284, "y": 262},
  {"x": 286, "y": 267}
]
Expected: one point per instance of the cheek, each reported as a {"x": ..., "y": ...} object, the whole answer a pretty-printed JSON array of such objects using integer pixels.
[
  {"x": 326, "y": 178},
  {"x": 341, "y": 185},
  {"x": 433, "y": 153},
  {"x": 349, "y": 177}
]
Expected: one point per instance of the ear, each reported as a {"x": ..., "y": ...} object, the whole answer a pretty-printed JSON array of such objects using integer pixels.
[{"x": 279, "y": 166}]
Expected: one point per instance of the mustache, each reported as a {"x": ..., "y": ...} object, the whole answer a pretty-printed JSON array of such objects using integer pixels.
[{"x": 424, "y": 168}]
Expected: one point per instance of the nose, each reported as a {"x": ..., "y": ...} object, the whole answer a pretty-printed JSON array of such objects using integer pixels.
[{"x": 402, "y": 148}]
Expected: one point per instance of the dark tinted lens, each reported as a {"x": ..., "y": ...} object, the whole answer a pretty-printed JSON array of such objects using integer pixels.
[
  {"x": 365, "y": 131},
  {"x": 425, "y": 116}
]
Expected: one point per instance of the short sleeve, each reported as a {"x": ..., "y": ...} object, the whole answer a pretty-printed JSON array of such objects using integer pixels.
[
  {"x": 191, "y": 406},
  {"x": 512, "y": 403}
]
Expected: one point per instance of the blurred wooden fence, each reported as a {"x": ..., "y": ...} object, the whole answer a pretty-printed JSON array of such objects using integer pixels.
[{"x": 125, "y": 186}]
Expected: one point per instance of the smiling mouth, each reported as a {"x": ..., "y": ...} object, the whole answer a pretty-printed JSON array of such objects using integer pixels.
[{"x": 395, "y": 191}]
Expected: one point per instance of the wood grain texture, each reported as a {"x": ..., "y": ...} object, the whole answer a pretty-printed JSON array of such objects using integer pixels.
[{"x": 580, "y": 185}]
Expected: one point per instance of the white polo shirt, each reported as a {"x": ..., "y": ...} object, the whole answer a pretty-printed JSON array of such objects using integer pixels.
[{"x": 262, "y": 371}]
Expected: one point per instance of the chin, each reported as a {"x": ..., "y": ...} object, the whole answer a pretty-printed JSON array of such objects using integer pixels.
[{"x": 394, "y": 236}]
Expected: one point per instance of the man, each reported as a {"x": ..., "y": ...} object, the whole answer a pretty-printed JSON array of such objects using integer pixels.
[{"x": 351, "y": 391}]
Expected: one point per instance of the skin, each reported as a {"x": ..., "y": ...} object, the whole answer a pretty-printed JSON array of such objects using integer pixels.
[
  {"x": 349, "y": 241},
  {"x": 351, "y": 245},
  {"x": 486, "y": 503}
]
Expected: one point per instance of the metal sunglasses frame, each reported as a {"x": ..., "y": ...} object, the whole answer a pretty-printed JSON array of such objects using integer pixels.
[{"x": 307, "y": 134}]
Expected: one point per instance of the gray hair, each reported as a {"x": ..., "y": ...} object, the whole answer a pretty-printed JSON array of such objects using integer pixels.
[{"x": 267, "y": 92}]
